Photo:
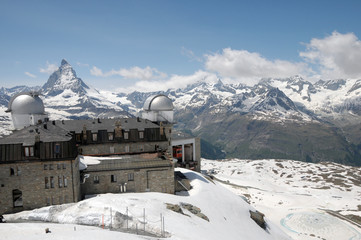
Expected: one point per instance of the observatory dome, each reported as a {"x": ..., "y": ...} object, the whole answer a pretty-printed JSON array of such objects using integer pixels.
[
  {"x": 26, "y": 103},
  {"x": 158, "y": 103}
]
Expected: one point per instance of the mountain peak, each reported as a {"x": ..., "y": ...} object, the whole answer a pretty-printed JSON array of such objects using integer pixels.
[
  {"x": 64, "y": 62},
  {"x": 64, "y": 78}
]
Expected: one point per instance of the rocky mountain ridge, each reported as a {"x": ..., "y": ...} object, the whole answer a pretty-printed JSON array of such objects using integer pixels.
[{"x": 279, "y": 118}]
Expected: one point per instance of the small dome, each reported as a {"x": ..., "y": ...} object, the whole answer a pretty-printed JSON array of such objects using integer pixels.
[
  {"x": 26, "y": 103},
  {"x": 158, "y": 103}
]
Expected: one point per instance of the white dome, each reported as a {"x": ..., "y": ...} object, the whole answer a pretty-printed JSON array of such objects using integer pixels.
[
  {"x": 26, "y": 103},
  {"x": 158, "y": 103}
]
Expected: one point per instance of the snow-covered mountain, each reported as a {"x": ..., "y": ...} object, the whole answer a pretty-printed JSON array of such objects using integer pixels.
[
  {"x": 67, "y": 96},
  {"x": 252, "y": 120}
]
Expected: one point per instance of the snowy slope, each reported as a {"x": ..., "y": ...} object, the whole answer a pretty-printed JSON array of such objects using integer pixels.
[
  {"x": 228, "y": 214},
  {"x": 297, "y": 195}
]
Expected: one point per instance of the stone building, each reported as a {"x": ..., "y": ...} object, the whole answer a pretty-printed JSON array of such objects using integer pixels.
[
  {"x": 53, "y": 162},
  {"x": 38, "y": 168}
]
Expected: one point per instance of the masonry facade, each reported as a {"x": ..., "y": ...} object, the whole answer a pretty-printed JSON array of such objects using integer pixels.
[{"x": 42, "y": 165}]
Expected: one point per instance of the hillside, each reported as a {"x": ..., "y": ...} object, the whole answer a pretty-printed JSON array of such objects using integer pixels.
[
  {"x": 308, "y": 201},
  {"x": 228, "y": 216}
]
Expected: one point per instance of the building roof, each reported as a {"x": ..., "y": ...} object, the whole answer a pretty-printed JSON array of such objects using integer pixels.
[
  {"x": 44, "y": 132},
  {"x": 124, "y": 162},
  {"x": 158, "y": 102},
  {"x": 95, "y": 125},
  {"x": 59, "y": 131}
]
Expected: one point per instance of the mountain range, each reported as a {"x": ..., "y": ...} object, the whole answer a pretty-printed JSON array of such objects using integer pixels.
[{"x": 288, "y": 118}]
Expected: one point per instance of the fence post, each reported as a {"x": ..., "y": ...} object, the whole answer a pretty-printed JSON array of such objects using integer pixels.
[
  {"x": 127, "y": 218},
  {"x": 111, "y": 218},
  {"x": 144, "y": 219}
]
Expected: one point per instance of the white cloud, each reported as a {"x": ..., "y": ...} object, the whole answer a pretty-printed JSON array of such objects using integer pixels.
[
  {"x": 50, "y": 68},
  {"x": 190, "y": 54},
  {"x": 174, "y": 82},
  {"x": 82, "y": 64},
  {"x": 96, "y": 72},
  {"x": 137, "y": 73},
  {"x": 249, "y": 67},
  {"x": 30, "y": 75},
  {"x": 337, "y": 55}
]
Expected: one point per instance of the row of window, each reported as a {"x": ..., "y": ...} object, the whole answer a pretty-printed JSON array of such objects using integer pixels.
[
  {"x": 29, "y": 150},
  {"x": 113, "y": 178},
  {"x": 51, "y": 166},
  {"x": 110, "y": 136},
  {"x": 50, "y": 182}
]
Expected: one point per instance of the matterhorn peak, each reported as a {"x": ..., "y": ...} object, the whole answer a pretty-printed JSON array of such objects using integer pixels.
[
  {"x": 64, "y": 78},
  {"x": 64, "y": 62}
]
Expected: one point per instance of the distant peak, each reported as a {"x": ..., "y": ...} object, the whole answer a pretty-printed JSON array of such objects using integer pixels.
[{"x": 64, "y": 62}]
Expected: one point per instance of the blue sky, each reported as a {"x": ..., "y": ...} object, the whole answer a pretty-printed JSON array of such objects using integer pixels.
[{"x": 140, "y": 45}]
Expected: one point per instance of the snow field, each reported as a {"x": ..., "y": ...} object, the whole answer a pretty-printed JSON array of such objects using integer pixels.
[
  {"x": 228, "y": 214},
  {"x": 292, "y": 194}
]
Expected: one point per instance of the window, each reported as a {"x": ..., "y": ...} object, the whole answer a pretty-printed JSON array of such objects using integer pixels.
[
  {"x": 111, "y": 149},
  {"x": 130, "y": 176},
  {"x": 59, "y": 166},
  {"x": 29, "y": 151},
  {"x": 52, "y": 183},
  {"x": 126, "y": 135},
  {"x": 18, "y": 171},
  {"x": 17, "y": 198},
  {"x": 113, "y": 178},
  {"x": 126, "y": 148},
  {"x": 60, "y": 182},
  {"x": 46, "y": 182},
  {"x": 141, "y": 135},
  {"x": 96, "y": 179},
  {"x": 57, "y": 148},
  {"x": 95, "y": 137},
  {"x": 141, "y": 148},
  {"x": 110, "y": 136},
  {"x": 65, "y": 181},
  {"x": 45, "y": 166},
  {"x": 12, "y": 171},
  {"x": 51, "y": 167},
  {"x": 77, "y": 137},
  {"x": 64, "y": 166},
  {"x": 47, "y": 201}
]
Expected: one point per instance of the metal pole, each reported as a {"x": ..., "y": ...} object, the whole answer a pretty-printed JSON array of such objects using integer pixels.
[
  {"x": 144, "y": 218},
  {"x": 161, "y": 226},
  {"x": 111, "y": 218},
  {"x": 127, "y": 218}
]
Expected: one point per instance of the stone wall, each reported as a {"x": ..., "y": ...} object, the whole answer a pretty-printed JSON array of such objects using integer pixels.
[
  {"x": 29, "y": 179},
  {"x": 154, "y": 179}
]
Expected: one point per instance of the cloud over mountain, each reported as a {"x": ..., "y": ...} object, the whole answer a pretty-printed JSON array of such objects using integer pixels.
[
  {"x": 250, "y": 66},
  {"x": 337, "y": 55},
  {"x": 137, "y": 73}
]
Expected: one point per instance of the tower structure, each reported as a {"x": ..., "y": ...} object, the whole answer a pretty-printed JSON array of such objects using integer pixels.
[{"x": 27, "y": 109}]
